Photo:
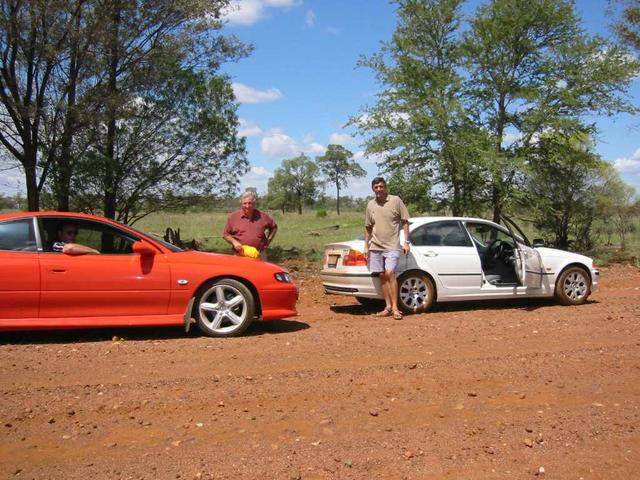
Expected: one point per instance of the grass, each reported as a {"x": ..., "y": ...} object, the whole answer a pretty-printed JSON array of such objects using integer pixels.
[
  {"x": 299, "y": 236},
  {"x": 304, "y": 236}
]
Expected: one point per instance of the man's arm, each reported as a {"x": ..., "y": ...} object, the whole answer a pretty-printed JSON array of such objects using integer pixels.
[
  {"x": 229, "y": 238},
  {"x": 273, "y": 229},
  {"x": 406, "y": 247},
  {"x": 367, "y": 238},
  {"x": 77, "y": 249},
  {"x": 235, "y": 244}
]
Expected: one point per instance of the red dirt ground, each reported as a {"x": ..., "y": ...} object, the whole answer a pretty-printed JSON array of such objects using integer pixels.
[{"x": 471, "y": 391}]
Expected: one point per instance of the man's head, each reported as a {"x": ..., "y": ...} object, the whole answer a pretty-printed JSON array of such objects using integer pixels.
[
  {"x": 67, "y": 232},
  {"x": 379, "y": 187},
  {"x": 248, "y": 203}
]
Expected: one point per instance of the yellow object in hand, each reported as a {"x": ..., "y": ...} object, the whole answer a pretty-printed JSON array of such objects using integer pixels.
[{"x": 249, "y": 251}]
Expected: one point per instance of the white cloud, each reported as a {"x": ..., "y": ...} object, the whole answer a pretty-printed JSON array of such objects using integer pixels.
[
  {"x": 275, "y": 143},
  {"x": 362, "y": 158},
  {"x": 246, "y": 94},
  {"x": 341, "y": 139},
  {"x": 628, "y": 165},
  {"x": 248, "y": 12},
  {"x": 257, "y": 177},
  {"x": 314, "y": 148},
  {"x": 248, "y": 128},
  {"x": 310, "y": 18}
]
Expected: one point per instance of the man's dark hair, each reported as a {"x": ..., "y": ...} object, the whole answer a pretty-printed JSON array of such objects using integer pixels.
[{"x": 377, "y": 180}]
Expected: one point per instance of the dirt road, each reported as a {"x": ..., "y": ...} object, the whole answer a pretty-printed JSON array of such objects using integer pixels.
[{"x": 500, "y": 390}]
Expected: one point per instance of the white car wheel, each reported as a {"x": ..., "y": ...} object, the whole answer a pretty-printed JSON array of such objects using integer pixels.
[
  {"x": 224, "y": 308},
  {"x": 415, "y": 292},
  {"x": 573, "y": 287}
]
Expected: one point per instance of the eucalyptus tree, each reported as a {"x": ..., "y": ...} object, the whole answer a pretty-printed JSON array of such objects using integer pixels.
[
  {"x": 295, "y": 181},
  {"x": 420, "y": 120},
  {"x": 337, "y": 165},
  {"x": 166, "y": 118},
  {"x": 33, "y": 40},
  {"x": 563, "y": 176},
  {"x": 627, "y": 26},
  {"x": 533, "y": 69}
]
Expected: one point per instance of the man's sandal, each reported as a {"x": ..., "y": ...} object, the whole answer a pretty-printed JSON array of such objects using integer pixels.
[
  {"x": 384, "y": 313},
  {"x": 397, "y": 315}
]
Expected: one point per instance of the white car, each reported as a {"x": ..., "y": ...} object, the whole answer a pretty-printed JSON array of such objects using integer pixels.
[{"x": 459, "y": 258}]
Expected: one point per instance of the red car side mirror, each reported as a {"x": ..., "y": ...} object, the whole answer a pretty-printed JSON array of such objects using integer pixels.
[{"x": 143, "y": 248}]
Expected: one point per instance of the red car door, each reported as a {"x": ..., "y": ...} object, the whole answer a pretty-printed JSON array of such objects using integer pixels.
[
  {"x": 19, "y": 271},
  {"x": 114, "y": 283}
]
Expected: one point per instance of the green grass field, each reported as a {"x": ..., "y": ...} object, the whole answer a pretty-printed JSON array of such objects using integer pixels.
[
  {"x": 304, "y": 236},
  {"x": 298, "y": 235}
]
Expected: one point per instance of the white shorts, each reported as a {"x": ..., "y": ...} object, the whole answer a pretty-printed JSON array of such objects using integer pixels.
[{"x": 383, "y": 260}]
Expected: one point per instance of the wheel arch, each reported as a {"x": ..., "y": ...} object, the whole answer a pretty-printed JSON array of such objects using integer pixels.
[{"x": 574, "y": 264}]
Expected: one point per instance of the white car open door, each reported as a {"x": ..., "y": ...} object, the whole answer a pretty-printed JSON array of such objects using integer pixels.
[{"x": 528, "y": 262}]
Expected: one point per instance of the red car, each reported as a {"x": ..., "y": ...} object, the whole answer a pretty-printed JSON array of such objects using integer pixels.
[{"x": 135, "y": 280}]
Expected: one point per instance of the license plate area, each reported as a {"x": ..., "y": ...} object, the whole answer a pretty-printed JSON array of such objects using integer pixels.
[{"x": 332, "y": 261}]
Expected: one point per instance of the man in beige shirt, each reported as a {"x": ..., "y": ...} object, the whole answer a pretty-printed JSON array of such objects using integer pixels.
[{"x": 385, "y": 216}]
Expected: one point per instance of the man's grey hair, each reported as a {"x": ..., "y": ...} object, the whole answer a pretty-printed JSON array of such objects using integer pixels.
[{"x": 249, "y": 194}]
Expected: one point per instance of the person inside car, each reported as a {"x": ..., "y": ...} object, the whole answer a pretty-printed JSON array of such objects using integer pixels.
[{"x": 65, "y": 243}]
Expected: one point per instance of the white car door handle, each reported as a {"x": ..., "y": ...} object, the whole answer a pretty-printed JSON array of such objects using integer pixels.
[{"x": 430, "y": 253}]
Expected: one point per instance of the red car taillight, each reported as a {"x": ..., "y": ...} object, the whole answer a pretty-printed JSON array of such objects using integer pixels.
[{"x": 354, "y": 259}]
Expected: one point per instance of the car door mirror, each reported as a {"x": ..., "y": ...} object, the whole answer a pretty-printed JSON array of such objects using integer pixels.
[
  {"x": 538, "y": 242},
  {"x": 143, "y": 248}
]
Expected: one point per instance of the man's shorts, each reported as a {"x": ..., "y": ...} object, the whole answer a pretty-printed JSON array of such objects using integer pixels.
[{"x": 383, "y": 260}]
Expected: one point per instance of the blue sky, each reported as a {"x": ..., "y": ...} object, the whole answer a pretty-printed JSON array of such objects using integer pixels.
[{"x": 301, "y": 84}]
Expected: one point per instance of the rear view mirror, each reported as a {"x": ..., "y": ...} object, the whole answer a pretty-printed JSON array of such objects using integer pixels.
[
  {"x": 538, "y": 242},
  {"x": 143, "y": 248}
]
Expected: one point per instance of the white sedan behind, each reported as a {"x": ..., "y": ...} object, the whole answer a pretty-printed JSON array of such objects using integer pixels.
[{"x": 460, "y": 258}]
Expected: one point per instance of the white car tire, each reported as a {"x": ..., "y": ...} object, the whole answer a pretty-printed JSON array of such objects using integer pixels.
[
  {"x": 573, "y": 286},
  {"x": 415, "y": 292}
]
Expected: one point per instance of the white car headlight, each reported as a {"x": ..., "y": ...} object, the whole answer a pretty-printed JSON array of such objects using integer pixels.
[{"x": 283, "y": 277}]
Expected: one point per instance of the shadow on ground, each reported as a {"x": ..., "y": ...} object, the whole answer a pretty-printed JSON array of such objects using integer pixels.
[
  {"x": 527, "y": 304},
  {"x": 36, "y": 337}
]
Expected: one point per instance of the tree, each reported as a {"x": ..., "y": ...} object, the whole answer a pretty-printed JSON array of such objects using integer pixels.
[
  {"x": 414, "y": 187},
  {"x": 166, "y": 119},
  {"x": 337, "y": 165},
  {"x": 295, "y": 181},
  {"x": 420, "y": 121},
  {"x": 533, "y": 69},
  {"x": 33, "y": 39},
  {"x": 121, "y": 100},
  {"x": 563, "y": 177},
  {"x": 616, "y": 205},
  {"x": 627, "y": 26}
]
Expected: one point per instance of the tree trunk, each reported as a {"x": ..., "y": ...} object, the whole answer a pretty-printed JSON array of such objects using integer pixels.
[
  {"x": 64, "y": 162},
  {"x": 338, "y": 197},
  {"x": 33, "y": 195},
  {"x": 110, "y": 174}
]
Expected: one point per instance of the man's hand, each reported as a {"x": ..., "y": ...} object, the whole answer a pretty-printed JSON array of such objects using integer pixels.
[{"x": 406, "y": 248}]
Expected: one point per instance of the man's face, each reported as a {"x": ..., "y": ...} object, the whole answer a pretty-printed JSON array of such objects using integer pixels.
[
  {"x": 380, "y": 189},
  {"x": 68, "y": 233},
  {"x": 248, "y": 206}
]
